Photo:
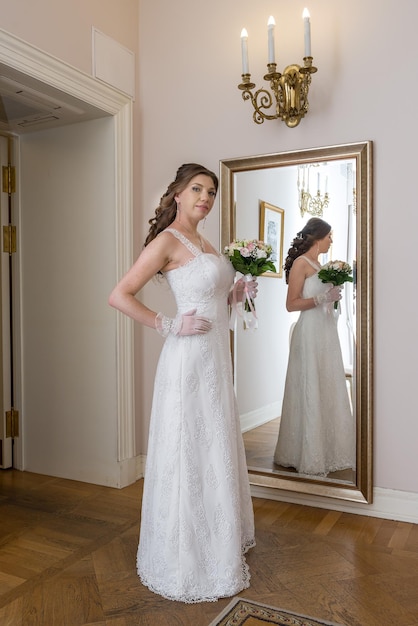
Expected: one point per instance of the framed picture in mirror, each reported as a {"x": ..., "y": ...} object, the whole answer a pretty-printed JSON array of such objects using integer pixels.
[{"x": 271, "y": 232}]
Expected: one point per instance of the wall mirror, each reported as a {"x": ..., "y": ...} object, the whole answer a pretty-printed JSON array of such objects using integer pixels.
[{"x": 288, "y": 188}]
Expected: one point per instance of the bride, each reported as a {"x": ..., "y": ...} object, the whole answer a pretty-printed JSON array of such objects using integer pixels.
[
  {"x": 317, "y": 430},
  {"x": 197, "y": 519}
]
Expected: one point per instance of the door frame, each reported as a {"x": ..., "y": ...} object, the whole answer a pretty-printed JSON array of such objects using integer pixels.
[
  {"x": 5, "y": 319},
  {"x": 36, "y": 64}
]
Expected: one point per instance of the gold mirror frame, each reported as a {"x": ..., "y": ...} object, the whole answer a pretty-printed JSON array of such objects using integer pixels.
[{"x": 361, "y": 490}]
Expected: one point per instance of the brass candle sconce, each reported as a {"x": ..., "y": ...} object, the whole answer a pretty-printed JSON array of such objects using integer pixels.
[{"x": 288, "y": 99}]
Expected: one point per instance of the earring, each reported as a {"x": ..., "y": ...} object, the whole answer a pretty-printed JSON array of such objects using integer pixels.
[
  {"x": 178, "y": 211},
  {"x": 204, "y": 223}
]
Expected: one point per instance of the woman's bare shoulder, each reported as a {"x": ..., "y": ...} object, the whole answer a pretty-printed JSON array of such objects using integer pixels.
[
  {"x": 159, "y": 250},
  {"x": 164, "y": 239}
]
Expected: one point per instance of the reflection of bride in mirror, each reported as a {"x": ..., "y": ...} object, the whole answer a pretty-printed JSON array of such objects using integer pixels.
[{"x": 317, "y": 431}]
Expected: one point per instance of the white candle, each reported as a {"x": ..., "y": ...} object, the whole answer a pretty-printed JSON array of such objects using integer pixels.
[
  {"x": 319, "y": 182},
  {"x": 326, "y": 184},
  {"x": 270, "y": 25},
  {"x": 244, "y": 51},
  {"x": 307, "y": 30}
]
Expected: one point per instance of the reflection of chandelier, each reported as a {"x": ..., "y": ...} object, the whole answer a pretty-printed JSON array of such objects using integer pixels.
[{"x": 308, "y": 203}]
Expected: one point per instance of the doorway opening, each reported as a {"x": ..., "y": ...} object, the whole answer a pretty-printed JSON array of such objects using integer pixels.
[{"x": 37, "y": 93}]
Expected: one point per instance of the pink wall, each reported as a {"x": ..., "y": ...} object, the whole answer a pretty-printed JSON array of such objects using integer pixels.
[
  {"x": 192, "y": 110},
  {"x": 63, "y": 29},
  {"x": 188, "y": 108}
]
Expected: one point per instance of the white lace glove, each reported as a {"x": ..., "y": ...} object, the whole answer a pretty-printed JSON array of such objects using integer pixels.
[
  {"x": 332, "y": 295},
  {"x": 186, "y": 324}
]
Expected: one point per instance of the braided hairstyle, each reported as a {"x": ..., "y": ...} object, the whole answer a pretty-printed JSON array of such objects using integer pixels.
[
  {"x": 314, "y": 230},
  {"x": 166, "y": 211}
]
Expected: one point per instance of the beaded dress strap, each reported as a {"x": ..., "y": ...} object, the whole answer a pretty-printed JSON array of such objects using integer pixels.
[{"x": 189, "y": 245}]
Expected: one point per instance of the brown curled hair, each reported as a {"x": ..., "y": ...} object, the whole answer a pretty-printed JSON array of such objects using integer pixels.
[
  {"x": 166, "y": 211},
  {"x": 314, "y": 230}
]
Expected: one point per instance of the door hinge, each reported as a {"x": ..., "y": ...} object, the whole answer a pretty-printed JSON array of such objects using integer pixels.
[
  {"x": 9, "y": 239},
  {"x": 12, "y": 423},
  {"x": 9, "y": 179}
]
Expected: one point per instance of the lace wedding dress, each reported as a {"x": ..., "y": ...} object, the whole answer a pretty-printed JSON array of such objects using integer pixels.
[
  {"x": 317, "y": 430},
  {"x": 197, "y": 518}
]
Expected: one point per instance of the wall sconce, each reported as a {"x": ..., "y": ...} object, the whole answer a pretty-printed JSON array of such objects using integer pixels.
[
  {"x": 290, "y": 88},
  {"x": 308, "y": 203}
]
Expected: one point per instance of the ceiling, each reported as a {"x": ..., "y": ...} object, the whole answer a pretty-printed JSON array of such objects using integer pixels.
[{"x": 27, "y": 105}]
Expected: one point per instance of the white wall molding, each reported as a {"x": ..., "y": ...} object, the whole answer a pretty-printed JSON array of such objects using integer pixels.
[
  {"x": 37, "y": 64},
  {"x": 260, "y": 416},
  {"x": 127, "y": 473},
  {"x": 140, "y": 466},
  {"x": 387, "y": 503},
  {"x": 124, "y": 253},
  {"x": 113, "y": 63},
  {"x": 391, "y": 504}
]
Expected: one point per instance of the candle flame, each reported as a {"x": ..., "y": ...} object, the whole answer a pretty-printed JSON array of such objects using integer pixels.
[
  {"x": 305, "y": 13},
  {"x": 271, "y": 21},
  {"x": 244, "y": 33}
]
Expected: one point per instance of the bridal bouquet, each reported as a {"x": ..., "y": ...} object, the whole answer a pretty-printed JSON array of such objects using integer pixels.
[
  {"x": 251, "y": 258},
  {"x": 336, "y": 273}
]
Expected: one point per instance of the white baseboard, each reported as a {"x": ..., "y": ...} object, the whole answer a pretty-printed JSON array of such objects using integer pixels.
[
  {"x": 261, "y": 416},
  {"x": 387, "y": 503},
  {"x": 391, "y": 504},
  {"x": 140, "y": 466}
]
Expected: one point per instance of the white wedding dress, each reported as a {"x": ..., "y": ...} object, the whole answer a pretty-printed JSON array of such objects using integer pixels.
[
  {"x": 197, "y": 517},
  {"x": 317, "y": 430}
]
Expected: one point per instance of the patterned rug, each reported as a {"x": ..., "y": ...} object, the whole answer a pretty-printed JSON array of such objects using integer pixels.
[{"x": 242, "y": 612}]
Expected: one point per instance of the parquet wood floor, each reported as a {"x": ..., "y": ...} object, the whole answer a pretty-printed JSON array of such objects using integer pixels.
[
  {"x": 67, "y": 558},
  {"x": 260, "y": 445}
]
